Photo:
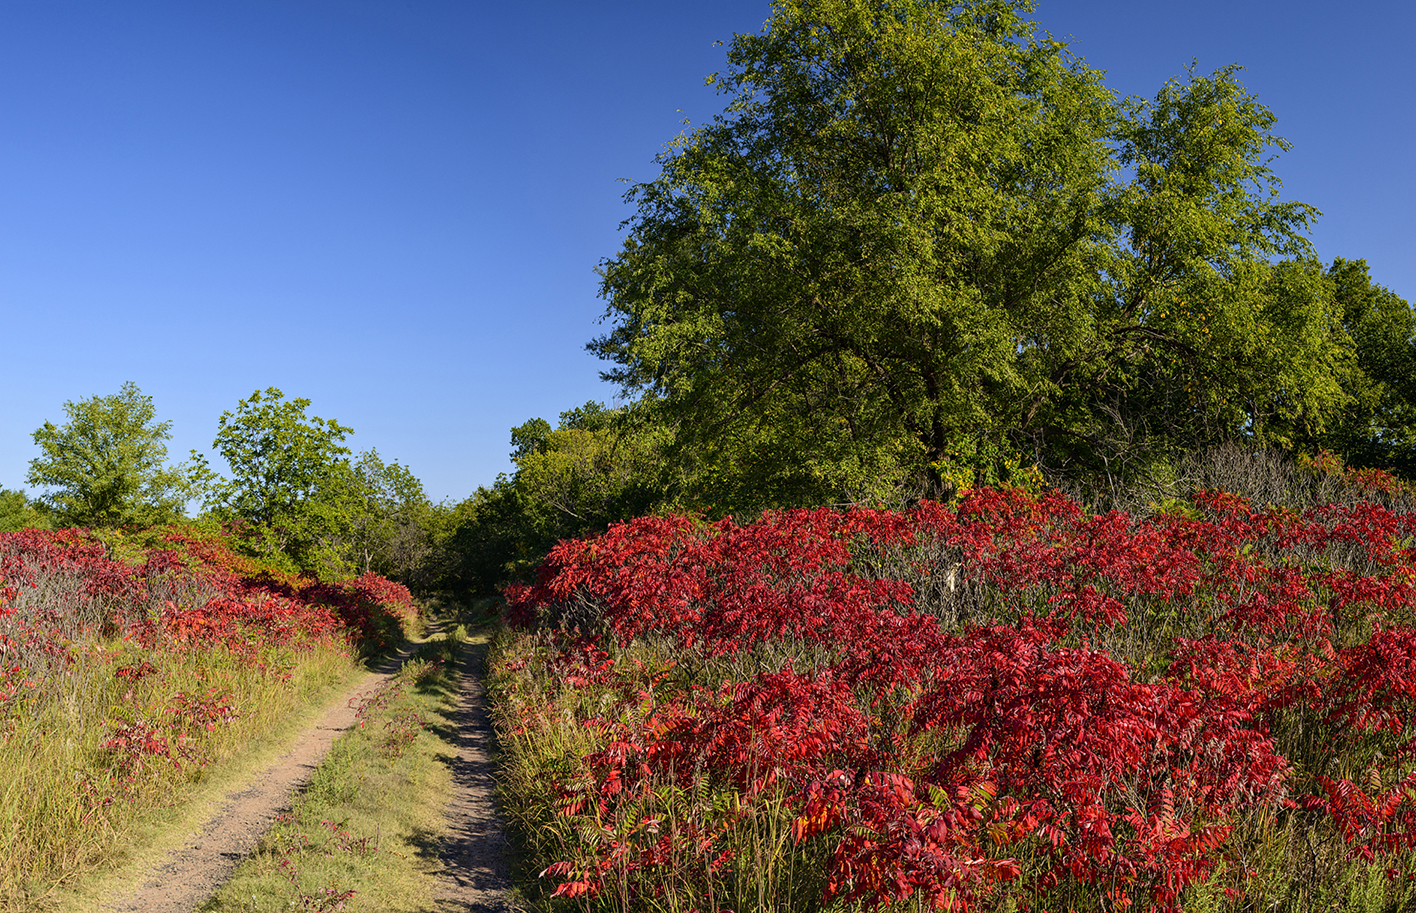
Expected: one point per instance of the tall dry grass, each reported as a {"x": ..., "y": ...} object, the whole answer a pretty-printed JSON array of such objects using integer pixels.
[{"x": 131, "y": 668}]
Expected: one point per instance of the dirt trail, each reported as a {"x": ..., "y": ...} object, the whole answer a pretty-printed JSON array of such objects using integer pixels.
[
  {"x": 474, "y": 855},
  {"x": 191, "y": 874}
]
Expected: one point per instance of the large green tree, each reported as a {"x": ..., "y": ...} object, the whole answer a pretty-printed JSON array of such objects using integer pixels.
[
  {"x": 107, "y": 465},
  {"x": 922, "y": 232}
]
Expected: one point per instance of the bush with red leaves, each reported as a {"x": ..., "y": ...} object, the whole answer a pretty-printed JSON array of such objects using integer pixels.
[{"x": 1120, "y": 694}]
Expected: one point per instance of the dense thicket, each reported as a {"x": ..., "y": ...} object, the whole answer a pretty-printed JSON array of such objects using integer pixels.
[
  {"x": 923, "y": 238},
  {"x": 598, "y": 466},
  {"x": 1008, "y": 703}
]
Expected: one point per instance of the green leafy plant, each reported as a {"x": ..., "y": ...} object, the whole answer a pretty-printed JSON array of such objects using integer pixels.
[{"x": 106, "y": 465}]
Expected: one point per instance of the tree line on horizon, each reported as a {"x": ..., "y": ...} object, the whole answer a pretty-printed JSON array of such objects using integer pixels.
[
  {"x": 923, "y": 248},
  {"x": 296, "y": 495}
]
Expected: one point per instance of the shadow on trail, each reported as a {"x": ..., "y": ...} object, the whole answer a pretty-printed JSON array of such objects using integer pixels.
[{"x": 475, "y": 850}]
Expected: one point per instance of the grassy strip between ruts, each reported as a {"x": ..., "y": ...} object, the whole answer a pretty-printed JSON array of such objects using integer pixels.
[{"x": 364, "y": 835}]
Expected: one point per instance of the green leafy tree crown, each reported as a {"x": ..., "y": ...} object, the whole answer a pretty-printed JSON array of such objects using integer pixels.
[
  {"x": 922, "y": 229},
  {"x": 289, "y": 474},
  {"x": 105, "y": 466}
]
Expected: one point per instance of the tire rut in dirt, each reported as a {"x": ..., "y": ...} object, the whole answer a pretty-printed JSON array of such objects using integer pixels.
[
  {"x": 475, "y": 851},
  {"x": 190, "y": 875}
]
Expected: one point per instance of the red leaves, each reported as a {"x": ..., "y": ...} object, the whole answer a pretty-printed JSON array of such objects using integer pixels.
[
  {"x": 781, "y": 726},
  {"x": 1375, "y": 687},
  {"x": 823, "y": 805},
  {"x": 1072, "y": 737},
  {"x": 923, "y": 761},
  {"x": 59, "y": 586},
  {"x": 173, "y": 737},
  {"x": 899, "y": 844},
  {"x": 62, "y": 589},
  {"x": 1380, "y": 821}
]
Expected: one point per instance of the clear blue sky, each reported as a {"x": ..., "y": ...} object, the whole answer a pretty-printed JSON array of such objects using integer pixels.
[{"x": 395, "y": 209}]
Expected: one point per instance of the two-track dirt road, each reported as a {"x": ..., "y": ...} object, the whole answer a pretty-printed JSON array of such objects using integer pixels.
[{"x": 474, "y": 850}]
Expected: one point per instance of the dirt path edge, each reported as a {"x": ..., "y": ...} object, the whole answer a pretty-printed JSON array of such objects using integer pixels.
[{"x": 191, "y": 874}]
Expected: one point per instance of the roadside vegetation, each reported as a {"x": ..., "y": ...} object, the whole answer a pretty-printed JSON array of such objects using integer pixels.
[
  {"x": 1207, "y": 702},
  {"x": 1110, "y": 603},
  {"x": 133, "y": 663},
  {"x": 365, "y": 835},
  {"x": 143, "y": 655}
]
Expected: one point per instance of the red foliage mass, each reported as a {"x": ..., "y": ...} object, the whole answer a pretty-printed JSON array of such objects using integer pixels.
[
  {"x": 931, "y": 756},
  {"x": 59, "y": 591}
]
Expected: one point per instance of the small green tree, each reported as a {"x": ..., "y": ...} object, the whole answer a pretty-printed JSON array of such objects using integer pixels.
[
  {"x": 292, "y": 486},
  {"x": 391, "y": 525},
  {"x": 106, "y": 465},
  {"x": 17, "y": 513}
]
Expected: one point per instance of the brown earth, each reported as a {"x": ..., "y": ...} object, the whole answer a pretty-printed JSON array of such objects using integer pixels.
[{"x": 474, "y": 850}]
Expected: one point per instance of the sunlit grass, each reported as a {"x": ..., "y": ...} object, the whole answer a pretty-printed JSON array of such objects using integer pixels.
[
  {"x": 137, "y": 669},
  {"x": 68, "y": 805},
  {"x": 366, "y": 831}
]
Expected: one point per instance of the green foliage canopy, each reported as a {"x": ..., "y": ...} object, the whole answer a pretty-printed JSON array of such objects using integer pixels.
[
  {"x": 291, "y": 481},
  {"x": 920, "y": 229},
  {"x": 106, "y": 465},
  {"x": 391, "y": 522},
  {"x": 1378, "y": 429},
  {"x": 296, "y": 495},
  {"x": 17, "y": 513},
  {"x": 596, "y": 467}
]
